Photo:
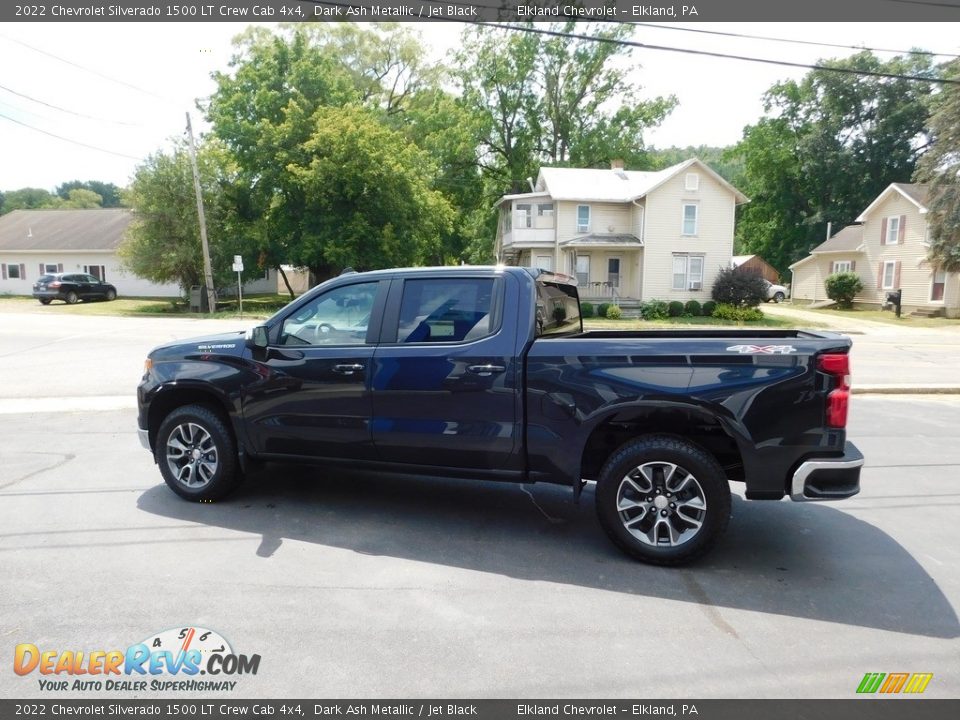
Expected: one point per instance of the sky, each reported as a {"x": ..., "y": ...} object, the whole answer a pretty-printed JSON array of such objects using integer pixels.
[{"x": 138, "y": 80}]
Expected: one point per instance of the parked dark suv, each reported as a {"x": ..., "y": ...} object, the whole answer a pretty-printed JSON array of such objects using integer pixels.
[{"x": 71, "y": 287}]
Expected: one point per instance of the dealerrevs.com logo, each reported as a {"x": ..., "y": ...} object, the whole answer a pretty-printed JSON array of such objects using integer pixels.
[{"x": 171, "y": 660}]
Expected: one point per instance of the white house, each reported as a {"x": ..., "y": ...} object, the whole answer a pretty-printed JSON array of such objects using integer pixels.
[
  {"x": 888, "y": 250},
  {"x": 624, "y": 234},
  {"x": 36, "y": 242}
]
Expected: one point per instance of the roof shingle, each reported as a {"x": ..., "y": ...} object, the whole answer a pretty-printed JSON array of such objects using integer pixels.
[{"x": 98, "y": 229}]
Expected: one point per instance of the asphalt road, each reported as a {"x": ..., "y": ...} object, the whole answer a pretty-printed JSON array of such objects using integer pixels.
[{"x": 367, "y": 586}]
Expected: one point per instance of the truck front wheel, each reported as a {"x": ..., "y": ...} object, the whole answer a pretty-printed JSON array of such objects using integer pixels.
[
  {"x": 196, "y": 453},
  {"x": 663, "y": 500}
]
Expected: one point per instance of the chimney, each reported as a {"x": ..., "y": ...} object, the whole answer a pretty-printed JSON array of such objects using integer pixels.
[{"x": 616, "y": 164}]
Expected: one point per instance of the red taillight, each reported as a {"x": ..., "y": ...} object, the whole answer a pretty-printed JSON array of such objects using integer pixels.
[
  {"x": 838, "y": 400},
  {"x": 54, "y": 284}
]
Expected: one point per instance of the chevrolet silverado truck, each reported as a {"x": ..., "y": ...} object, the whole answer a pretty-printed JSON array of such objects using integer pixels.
[{"x": 486, "y": 373}]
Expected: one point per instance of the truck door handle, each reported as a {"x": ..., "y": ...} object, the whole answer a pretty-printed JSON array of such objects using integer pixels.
[
  {"x": 347, "y": 369},
  {"x": 485, "y": 370}
]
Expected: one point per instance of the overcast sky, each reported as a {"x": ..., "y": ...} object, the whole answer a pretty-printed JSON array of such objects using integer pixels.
[{"x": 171, "y": 63}]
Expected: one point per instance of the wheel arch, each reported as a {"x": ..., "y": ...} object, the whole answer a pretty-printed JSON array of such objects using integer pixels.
[
  {"x": 715, "y": 434},
  {"x": 168, "y": 398}
]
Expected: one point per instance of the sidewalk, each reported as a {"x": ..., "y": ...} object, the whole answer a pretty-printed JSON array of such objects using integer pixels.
[{"x": 889, "y": 358}]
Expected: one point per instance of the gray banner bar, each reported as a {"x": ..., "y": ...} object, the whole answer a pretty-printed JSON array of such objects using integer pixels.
[
  {"x": 626, "y": 11},
  {"x": 894, "y": 708}
]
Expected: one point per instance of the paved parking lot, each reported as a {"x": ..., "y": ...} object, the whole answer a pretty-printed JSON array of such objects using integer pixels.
[{"x": 359, "y": 585}]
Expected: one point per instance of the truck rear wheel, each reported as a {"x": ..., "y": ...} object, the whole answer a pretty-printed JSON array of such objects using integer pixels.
[
  {"x": 663, "y": 500},
  {"x": 196, "y": 453}
]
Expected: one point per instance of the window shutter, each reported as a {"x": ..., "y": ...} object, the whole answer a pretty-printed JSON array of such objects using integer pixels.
[
  {"x": 833, "y": 267},
  {"x": 59, "y": 267},
  {"x": 880, "y": 276},
  {"x": 883, "y": 232},
  {"x": 3, "y": 269},
  {"x": 903, "y": 229},
  {"x": 41, "y": 269},
  {"x": 896, "y": 275},
  {"x": 853, "y": 265}
]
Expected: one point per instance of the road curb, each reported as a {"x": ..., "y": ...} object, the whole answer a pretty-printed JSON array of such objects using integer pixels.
[{"x": 906, "y": 390}]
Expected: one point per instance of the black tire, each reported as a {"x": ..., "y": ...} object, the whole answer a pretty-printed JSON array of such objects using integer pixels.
[
  {"x": 44, "y": 301},
  {"x": 652, "y": 456},
  {"x": 72, "y": 298},
  {"x": 197, "y": 427},
  {"x": 111, "y": 295},
  {"x": 779, "y": 297}
]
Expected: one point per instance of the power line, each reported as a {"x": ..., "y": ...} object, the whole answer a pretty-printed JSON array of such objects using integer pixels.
[
  {"x": 793, "y": 41},
  {"x": 87, "y": 69},
  {"x": 74, "y": 142},
  {"x": 667, "y": 48},
  {"x": 65, "y": 110}
]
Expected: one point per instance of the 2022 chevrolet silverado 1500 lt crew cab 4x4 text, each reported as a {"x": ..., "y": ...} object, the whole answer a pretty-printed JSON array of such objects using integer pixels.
[{"x": 486, "y": 373}]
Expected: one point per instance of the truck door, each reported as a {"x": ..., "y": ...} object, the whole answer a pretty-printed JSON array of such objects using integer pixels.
[
  {"x": 314, "y": 398},
  {"x": 446, "y": 382}
]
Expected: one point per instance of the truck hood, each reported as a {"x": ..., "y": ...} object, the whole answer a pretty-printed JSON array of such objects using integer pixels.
[{"x": 229, "y": 343}]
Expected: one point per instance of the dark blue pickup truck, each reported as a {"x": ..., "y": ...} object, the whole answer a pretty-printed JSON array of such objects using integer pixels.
[{"x": 486, "y": 373}]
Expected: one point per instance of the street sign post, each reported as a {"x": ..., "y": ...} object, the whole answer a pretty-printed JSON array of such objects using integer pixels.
[{"x": 238, "y": 268}]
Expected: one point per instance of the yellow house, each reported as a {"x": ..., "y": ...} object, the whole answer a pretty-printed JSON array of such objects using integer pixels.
[
  {"x": 888, "y": 250},
  {"x": 625, "y": 235}
]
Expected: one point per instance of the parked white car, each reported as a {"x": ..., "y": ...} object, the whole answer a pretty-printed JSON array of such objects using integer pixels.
[{"x": 777, "y": 293}]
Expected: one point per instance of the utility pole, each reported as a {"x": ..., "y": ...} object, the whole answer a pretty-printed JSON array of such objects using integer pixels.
[{"x": 207, "y": 272}]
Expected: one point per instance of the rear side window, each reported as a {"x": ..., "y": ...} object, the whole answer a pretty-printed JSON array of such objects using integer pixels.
[
  {"x": 558, "y": 309},
  {"x": 448, "y": 310}
]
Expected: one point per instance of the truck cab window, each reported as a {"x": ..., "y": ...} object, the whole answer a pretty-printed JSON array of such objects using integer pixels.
[
  {"x": 337, "y": 317},
  {"x": 447, "y": 310}
]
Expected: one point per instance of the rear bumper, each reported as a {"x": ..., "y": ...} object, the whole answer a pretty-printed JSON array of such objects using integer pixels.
[
  {"x": 828, "y": 478},
  {"x": 48, "y": 295}
]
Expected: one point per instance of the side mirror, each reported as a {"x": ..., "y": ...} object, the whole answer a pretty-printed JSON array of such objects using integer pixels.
[{"x": 257, "y": 337}]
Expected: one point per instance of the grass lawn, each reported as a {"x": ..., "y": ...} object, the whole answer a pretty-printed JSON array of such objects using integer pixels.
[
  {"x": 255, "y": 306},
  {"x": 886, "y": 316}
]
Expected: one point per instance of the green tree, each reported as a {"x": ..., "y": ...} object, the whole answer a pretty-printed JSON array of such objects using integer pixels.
[
  {"x": 940, "y": 169},
  {"x": 81, "y": 198},
  {"x": 367, "y": 194},
  {"x": 28, "y": 199},
  {"x": 727, "y": 165},
  {"x": 556, "y": 101},
  {"x": 108, "y": 192},
  {"x": 163, "y": 241},
  {"x": 827, "y": 147}
]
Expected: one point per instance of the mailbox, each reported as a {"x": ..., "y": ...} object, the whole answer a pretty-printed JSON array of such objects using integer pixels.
[{"x": 894, "y": 298}]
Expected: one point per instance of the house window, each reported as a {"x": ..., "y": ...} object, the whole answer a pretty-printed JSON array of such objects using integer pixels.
[
  {"x": 889, "y": 274},
  {"x": 841, "y": 266},
  {"x": 692, "y": 182},
  {"x": 583, "y": 270},
  {"x": 544, "y": 262},
  {"x": 98, "y": 271},
  {"x": 939, "y": 282},
  {"x": 690, "y": 218},
  {"x": 507, "y": 222},
  {"x": 688, "y": 272},
  {"x": 893, "y": 231},
  {"x": 545, "y": 210},
  {"x": 524, "y": 216},
  {"x": 13, "y": 272},
  {"x": 926, "y": 236},
  {"x": 583, "y": 218},
  {"x": 50, "y": 268}
]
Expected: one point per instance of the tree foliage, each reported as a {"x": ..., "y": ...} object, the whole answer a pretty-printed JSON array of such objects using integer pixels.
[
  {"x": 551, "y": 100},
  {"x": 739, "y": 288},
  {"x": 940, "y": 169},
  {"x": 827, "y": 147},
  {"x": 108, "y": 192},
  {"x": 28, "y": 199},
  {"x": 163, "y": 242}
]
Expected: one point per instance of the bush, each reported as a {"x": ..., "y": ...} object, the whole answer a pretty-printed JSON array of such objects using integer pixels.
[
  {"x": 654, "y": 310},
  {"x": 739, "y": 288},
  {"x": 843, "y": 287},
  {"x": 675, "y": 308},
  {"x": 725, "y": 311},
  {"x": 602, "y": 309},
  {"x": 614, "y": 312},
  {"x": 692, "y": 308},
  {"x": 708, "y": 307},
  {"x": 586, "y": 310}
]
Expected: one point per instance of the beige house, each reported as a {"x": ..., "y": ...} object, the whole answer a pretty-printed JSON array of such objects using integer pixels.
[
  {"x": 625, "y": 235},
  {"x": 888, "y": 250}
]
